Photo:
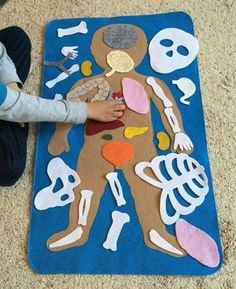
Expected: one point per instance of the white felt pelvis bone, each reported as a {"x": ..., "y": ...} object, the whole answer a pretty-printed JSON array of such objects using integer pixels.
[
  {"x": 84, "y": 206},
  {"x": 47, "y": 198},
  {"x": 116, "y": 188},
  {"x": 188, "y": 88},
  {"x": 81, "y": 28},
  {"x": 188, "y": 173},
  {"x": 51, "y": 83},
  {"x": 118, "y": 221}
]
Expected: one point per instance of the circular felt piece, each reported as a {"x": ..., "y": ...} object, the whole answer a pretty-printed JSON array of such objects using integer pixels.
[{"x": 120, "y": 36}]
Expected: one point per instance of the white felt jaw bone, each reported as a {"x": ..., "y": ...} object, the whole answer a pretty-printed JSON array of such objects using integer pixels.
[
  {"x": 84, "y": 206},
  {"x": 51, "y": 83},
  {"x": 116, "y": 188},
  {"x": 81, "y": 28},
  {"x": 118, "y": 221},
  {"x": 194, "y": 174},
  {"x": 47, "y": 198},
  {"x": 188, "y": 88}
]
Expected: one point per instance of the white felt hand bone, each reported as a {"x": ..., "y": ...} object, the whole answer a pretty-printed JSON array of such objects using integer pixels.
[
  {"x": 51, "y": 83},
  {"x": 81, "y": 28},
  {"x": 118, "y": 221},
  {"x": 70, "y": 49},
  {"x": 47, "y": 198},
  {"x": 116, "y": 188},
  {"x": 182, "y": 141}
]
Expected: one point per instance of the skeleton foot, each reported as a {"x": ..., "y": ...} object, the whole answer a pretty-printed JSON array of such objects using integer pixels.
[{"x": 165, "y": 242}]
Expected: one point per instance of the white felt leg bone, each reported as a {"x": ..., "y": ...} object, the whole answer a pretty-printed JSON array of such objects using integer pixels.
[
  {"x": 162, "y": 243},
  {"x": 159, "y": 91},
  {"x": 84, "y": 206},
  {"x": 81, "y": 28},
  {"x": 68, "y": 239},
  {"x": 62, "y": 76},
  {"x": 116, "y": 188},
  {"x": 118, "y": 221}
]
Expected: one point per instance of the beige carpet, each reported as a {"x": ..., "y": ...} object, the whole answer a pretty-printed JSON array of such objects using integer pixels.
[{"x": 215, "y": 29}]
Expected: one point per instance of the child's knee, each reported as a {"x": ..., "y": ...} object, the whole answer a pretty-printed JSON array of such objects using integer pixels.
[{"x": 20, "y": 35}]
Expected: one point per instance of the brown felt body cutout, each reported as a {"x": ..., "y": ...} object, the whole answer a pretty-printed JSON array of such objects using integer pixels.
[{"x": 92, "y": 167}]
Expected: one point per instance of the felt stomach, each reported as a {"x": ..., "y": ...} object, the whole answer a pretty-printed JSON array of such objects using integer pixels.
[{"x": 135, "y": 96}]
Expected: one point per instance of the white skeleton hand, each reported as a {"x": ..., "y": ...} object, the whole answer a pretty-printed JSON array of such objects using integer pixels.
[
  {"x": 183, "y": 141},
  {"x": 70, "y": 49}
]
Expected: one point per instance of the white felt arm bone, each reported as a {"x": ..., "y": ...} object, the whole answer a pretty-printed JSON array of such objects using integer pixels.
[
  {"x": 181, "y": 140},
  {"x": 118, "y": 221},
  {"x": 116, "y": 188},
  {"x": 84, "y": 206},
  {"x": 81, "y": 28},
  {"x": 70, "y": 49},
  {"x": 51, "y": 83}
]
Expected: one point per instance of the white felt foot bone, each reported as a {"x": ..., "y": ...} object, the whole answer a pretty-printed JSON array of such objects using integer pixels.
[
  {"x": 187, "y": 87},
  {"x": 81, "y": 28},
  {"x": 116, "y": 188},
  {"x": 51, "y": 83},
  {"x": 69, "y": 239},
  {"x": 162, "y": 243},
  {"x": 118, "y": 221},
  {"x": 84, "y": 206}
]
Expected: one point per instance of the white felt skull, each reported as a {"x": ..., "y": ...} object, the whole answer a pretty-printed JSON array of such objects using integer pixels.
[
  {"x": 49, "y": 197},
  {"x": 171, "y": 49}
]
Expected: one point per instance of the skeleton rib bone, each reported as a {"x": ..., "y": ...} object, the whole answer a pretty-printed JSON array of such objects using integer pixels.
[
  {"x": 116, "y": 188},
  {"x": 84, "y": 206},
  {"x": 81, "y": 28},
  {"x": 118, "y": 221}
]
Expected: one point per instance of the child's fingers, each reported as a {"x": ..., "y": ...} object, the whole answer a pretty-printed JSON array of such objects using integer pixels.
[
  {"x": 117, "y": 114},
  {"x": 120, "y": 107}
]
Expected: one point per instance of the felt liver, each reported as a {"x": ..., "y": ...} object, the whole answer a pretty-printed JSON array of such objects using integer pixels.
[
  {"x": 94, "y": 126},
  {"x": 135, "y": 95},
  {"x": 197, "y": 243}
]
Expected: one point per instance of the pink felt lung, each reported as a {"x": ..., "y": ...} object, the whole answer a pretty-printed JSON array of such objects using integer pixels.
[
  {"x": 135, "y": 95},
  {"x": 197, "y": 243}
]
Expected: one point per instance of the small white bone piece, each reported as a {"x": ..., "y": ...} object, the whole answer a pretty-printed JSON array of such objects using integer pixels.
[
  {"x": 68, "y": 239},
  {"x": 188, "y": 88},
  {"x": 118, "y": 221},
  {"x": 84, "y": 206},
  {"x": 81, "y": 28},
  {"x": 162, "y": 243},
  {"x": 70, "y": 49},
  {"x": 62, "y": 76},
  {"x": 116, "y": 188},
  {"x": 159, "y": 91},
  {"x": 58, "y": 96}
]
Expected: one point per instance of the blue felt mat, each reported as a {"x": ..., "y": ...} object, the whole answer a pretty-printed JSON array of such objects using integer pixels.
[{"x": 133, "y": 257}]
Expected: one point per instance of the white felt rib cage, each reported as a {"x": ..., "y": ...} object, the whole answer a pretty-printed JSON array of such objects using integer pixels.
[{"x": 188, "y": 173}]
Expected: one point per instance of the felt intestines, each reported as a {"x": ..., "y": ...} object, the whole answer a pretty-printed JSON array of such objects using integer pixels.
[
  {"x": 130, "y": 142},
  {"x": 48, "y": 197},
  {"x": 171, "y": 49},
  {"x": 189, "y": 172}
]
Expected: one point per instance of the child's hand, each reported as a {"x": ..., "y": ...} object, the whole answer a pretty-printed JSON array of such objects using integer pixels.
[{"x": 105, "y": 110}]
